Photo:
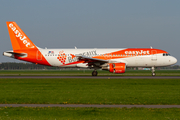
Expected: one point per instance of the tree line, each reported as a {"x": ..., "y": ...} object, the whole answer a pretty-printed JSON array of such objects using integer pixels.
[
  {"x": 22, "y": 66},
  {"x": 31, "y": 66}
]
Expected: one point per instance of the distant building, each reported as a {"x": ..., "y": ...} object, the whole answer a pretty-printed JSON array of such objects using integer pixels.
[{"x": 140, "y": 68}]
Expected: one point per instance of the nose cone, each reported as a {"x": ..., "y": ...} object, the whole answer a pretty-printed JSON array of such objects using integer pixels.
[{"x": 174, "y": 60}]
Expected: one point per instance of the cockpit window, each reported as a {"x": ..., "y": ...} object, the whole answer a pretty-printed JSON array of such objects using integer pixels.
[{"x": 166, "y": 54}]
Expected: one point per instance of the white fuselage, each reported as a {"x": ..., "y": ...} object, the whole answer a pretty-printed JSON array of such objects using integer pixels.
[{"x": 131, "y": 60}]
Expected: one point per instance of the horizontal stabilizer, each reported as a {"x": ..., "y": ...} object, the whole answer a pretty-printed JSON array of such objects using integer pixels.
[{"x": 12, "y": 54}]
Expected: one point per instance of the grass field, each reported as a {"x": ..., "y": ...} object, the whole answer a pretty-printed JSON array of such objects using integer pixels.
[
  {"x": 88, "y": 72},
  {"x": 88, "y": 113},
  {"x": 90, "y": 91}
]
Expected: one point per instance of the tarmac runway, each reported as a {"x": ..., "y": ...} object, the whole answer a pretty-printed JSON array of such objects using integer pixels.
[
  {"x": 98, "y": 77},
  {"x": 86, "y": 105}
]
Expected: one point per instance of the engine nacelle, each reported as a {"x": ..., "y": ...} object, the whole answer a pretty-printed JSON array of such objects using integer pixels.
[{"x": 117, "y": 67}]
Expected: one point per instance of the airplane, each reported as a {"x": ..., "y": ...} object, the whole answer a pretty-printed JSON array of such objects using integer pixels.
[{"x": 114, "y": 60}]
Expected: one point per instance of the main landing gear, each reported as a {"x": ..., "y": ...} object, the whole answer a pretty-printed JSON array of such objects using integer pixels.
[
  {"x": 94, "y": 73},
  {"x": 153, "y": 71}
]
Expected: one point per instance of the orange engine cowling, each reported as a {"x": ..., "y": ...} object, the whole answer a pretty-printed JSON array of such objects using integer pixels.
[{"x": 117, "y": 67}]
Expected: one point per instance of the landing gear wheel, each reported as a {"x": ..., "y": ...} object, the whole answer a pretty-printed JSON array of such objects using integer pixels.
[
  {"x": 94, "y": 73},
  {"x": 153, "y": 74}
]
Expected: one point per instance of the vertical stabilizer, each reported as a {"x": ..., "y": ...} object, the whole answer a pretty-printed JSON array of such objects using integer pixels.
[{"x": 18, "y": 38}]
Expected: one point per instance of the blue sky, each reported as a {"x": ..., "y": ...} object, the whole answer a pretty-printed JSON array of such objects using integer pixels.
[{"x": 94, "y": 24}]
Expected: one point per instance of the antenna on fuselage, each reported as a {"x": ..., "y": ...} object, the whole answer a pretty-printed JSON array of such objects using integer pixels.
[
  {"x": 151, "y": 47},
  {"x": 75, "y": 47}
]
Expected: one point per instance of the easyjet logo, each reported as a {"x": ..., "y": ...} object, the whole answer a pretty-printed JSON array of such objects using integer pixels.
[
  {"x": 19, "y": 35},
  {"x": 137, "y": 52}
]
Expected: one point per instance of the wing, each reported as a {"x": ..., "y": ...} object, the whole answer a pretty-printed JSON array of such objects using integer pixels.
[
  {"x": 97, "y": 62},
  {"x": 92, "y": 62},
  {"x": 90, "y": 59}
]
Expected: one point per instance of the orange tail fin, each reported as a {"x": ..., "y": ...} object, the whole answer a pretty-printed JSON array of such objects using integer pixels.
[{"x": 18, "y": 38}]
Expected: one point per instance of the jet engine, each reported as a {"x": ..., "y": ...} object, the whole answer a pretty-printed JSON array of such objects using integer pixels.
[{"x": 117, "y": 67}]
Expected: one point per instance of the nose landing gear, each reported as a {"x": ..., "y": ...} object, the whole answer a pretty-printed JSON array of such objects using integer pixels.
[{"x": 153, "y": 71}]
